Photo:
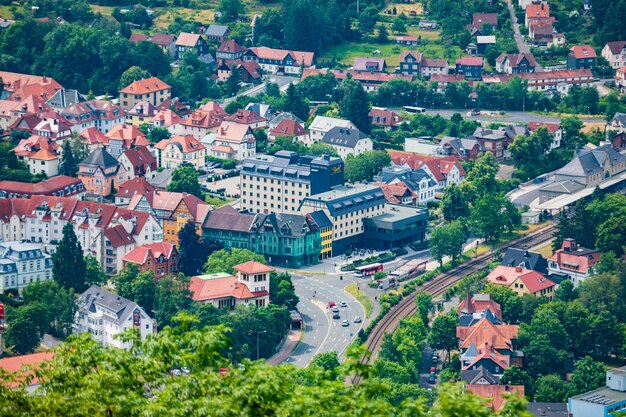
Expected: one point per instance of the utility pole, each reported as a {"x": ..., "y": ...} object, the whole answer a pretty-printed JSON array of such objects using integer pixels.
[
  {"x": 357, "y": 7},
  {"x": 257, "y": 343}
]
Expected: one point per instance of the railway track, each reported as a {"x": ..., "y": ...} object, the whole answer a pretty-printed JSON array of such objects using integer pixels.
[{"x": 438, "y": 286}]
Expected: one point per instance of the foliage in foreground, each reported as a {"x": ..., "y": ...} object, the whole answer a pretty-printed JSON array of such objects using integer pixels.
[{"x": 85, "y": 379}]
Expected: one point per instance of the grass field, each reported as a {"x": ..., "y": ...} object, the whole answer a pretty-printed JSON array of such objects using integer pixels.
[
  {"x": 405, "y": 8},
  {"x": 546, "y": 250},
  {"x": 361, "y": 298},
  {"x": 5, "y": 11},
  {"x": 217, "y": 201}
]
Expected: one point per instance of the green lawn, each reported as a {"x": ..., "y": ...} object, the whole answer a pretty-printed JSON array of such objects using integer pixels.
[
  {"x": 5, "y": 11},
  {"x": 217, "y": 201},
  {"x": 361, "y": 298}
]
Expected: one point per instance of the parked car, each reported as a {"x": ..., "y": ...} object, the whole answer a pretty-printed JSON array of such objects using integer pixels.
[
  {"x": 432, "y": 378},
  {"x": 433, "y": 369},
  {"x": 357, "y": 319},
  {"x": 435, "y": 360},
  {"x": 343, "y": 304},
  {"x": 336, "y": 316},
  {"x": 345, "y": 323}
]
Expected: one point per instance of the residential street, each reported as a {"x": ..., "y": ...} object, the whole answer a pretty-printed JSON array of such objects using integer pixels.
[{"x": 519, "y": 39}]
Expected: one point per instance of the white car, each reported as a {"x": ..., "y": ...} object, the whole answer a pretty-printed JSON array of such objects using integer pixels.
[
  {"x": 357, "y": 319},
  {"x": 345, "y": 323},
  {"x": 343, "y": 304}
]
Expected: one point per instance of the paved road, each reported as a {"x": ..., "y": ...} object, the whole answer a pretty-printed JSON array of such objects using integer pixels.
[
  {"x": 508, "y": 117},
  {"x": 283, "y": 82},
  {"x": 519, "y": 39},
  {"x": 323, "y": 333}
]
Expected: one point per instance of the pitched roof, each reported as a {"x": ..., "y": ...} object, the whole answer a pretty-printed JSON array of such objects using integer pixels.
[
  {"x": 253, "y": 267},
  {"x": 141, "y": 159},
  {"x": 552, "y": 127},
  {"x": 616, "y": 47},
  {"x": 364, "y": 64},
  {"x": 30, "y": 146},
  {"x": 415, "y": 54},
  {"x": 288, "y": 127},
  {"x": 345, "y": 137},
  {"x": 120, "y": 306},
  {"x": 231, "y": 46},
  {"x": 487, "y": 352},
  {"x": 138, "y": 185},
  {"x": 583, "y": 51},
  {"x": 233, "y": 132},
  {"x": 245, "y": 117},
  {"x": 167, "y": 118},
  {"x": 17, "y": 365},
  {"x": 118, "y": 236},
  {"x": 227, "y": 218},
  {"x": 185, "y": 144},
  {"x": 127, "y": 133},
  {"x": 94, "y": 136},
  {"x": 440, "y": 167},
  {"x": 100, "y": 158},
  {"x": 300, "y": 58},
  {"x": 45, "y": 187},
  {"x": 214, "y": 286},
  {"x": 139, "y": 255},
  {"x": 579, "y": 259},
  {"x": 385, "y": 117},
  {"x": 538, "y": 10},
  {"x": 162, "y": 39},
  {"x": 479, "y": 19},
  {"x": 536, "y": 282},
  {"x": 479, "y": 303},
  {"x": 495, "y": 393},
  {"x": 499, "y": 336},
  {"x": 324, "y": 123},
  {"x": 590, "y": 161},
  {"x": 527, "y": 259},
  {"x": 138, "y": 37},
  {"x": 473, "y": 376},
  {"x": 188, "y": 39},
  {"x": 472, "y": 61},
  {"x": 145, "y": 86},
  {"x": 216, "y": 30}
]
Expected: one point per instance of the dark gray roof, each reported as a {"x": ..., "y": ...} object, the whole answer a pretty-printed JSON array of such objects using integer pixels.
[
  {"x": 285, "y": 225},
  {"x": 227, "y": 218},
  {"x": 216, "y": 30},
  {"x": 462, "y": 145},
  {"x": 343, "y": 136},
  {"x": 285, "y": 164},
  {"x": 563, "y": 187},
  {"x": 489, "y": 134},
  {"x": 321, "y": 219},
  {"x": 548, "y": 409},
  {"x": 619, "y": 117},
  {"x": 100, "y": 158},
  {"x": 469, "y": 319},
  {"x": 96, "y": 296},
  {"x": 471, "y": 376},
  {"x": 590, "y": 161},
  {"x": 348, "y": 198},
  {"x": 530, "y": 260},
  {"x": 162, "y": 179}
]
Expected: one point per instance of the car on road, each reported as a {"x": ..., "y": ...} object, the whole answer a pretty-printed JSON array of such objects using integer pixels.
[
  {"x": 345, "y": 323},
  {"x": 335, "y": 309},
  {"x": 336, "y": 316},
  {"x": 331, "y": 304},
  {"x": 357, "y": 319},
  {"x": 433, "y": 369},
  {"x": 343, "y": 304},
  {"x": 475, "y": 112},
  {"x": 435, "y": 360},
  {"x": 432, "y": 378}
]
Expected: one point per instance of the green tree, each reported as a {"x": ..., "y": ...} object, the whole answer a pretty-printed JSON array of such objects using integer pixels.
[
  {"x": 447, "y": 240},
  {"x": 68, "y": 263},
  {"x": 493, "y": 213},
  {"x": 295, "y": 103},
  {"x": 588, "y": 375},
  {"x": 328, "y": 361},
  {"x": 529, "y": 152},
  {"x": 57, "y": 305},
  {"x": 232, "y": 83},
  {"x": 155, "y": 134},
  {"x": 367, "y": 20},
  {"x": 133, "y": 74},
  {"x": 320, "y": 148},
  {"x": 393, "y": 371},
  {"x": 185, "y": 180},
  {"x": 193, "y": 251},
  {"x": 424, "y": 302},
  {"x": 364, "y": 166},
  {"x": 517, "y": 376},
  {"x": 443, "y": 332},
  {"x": 482, "y": 175},
  {"x": 282, "y": 291},
  {"x": 398, "y": 25},
  {"x": 355, "y": 105},
  {"x": 572, "y": 127},
  {"x": 231, "y": 10},
  {"x": 223, "y": 260},
  {"x": 93, "y": 272},
  {"x": 383, "y": 33},
  {"x": 612, "y": 236},
  {"x": 566, "y": 291},
  {"x": 171, "y": 297},
  {"x": 136, "y": 286},
  {"x": 455, "y": 204},
  {"x": 68, "y": 165},
  {"x": 551, "y": 389},
  {"x": 24, "y": 332}
]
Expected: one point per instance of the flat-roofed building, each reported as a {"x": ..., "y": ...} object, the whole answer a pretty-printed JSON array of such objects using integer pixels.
[{"x": 280, "y": 183}]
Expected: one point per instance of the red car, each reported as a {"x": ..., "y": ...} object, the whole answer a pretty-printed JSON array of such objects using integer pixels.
[
  {"x": 433, "y": 369},
  {"x": 331, "y": 304}
]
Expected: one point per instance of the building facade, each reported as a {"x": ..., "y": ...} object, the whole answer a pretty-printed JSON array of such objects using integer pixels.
[
  {"x": 22, "y": 264},
  {"x": 150, "y": 89}
]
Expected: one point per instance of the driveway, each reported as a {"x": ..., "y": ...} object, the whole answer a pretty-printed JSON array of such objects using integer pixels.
[{"x": 519, "y": 39}]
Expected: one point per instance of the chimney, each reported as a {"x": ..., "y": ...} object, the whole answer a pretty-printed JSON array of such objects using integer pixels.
[
  {"x": 569, "y": 245},
  {"x": 518, "y": 269}
]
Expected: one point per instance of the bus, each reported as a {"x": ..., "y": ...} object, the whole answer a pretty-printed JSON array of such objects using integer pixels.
[
  {"x": 413, "y": 109},
  {"x": 367, "y": 270}
]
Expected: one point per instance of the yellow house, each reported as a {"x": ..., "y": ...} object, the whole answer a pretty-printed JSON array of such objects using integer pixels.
[
  {"x": 326, "y": 232},
  {"x": 142, "y": 112},
  {"x": 150, "y": 89},
  {"x": 173, "y": 152},
  {"x": 522, "y": 281}
]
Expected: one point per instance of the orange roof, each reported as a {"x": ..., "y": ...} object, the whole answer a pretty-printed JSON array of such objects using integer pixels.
[
  {"x": 44, "y": 155},
  {"x": 139, "y": 255},
  {"x": 583, "y": 51},
  {"x": 480, "y": 303},
  {"x": 16, "y": 364},
  {"x": 486, "y": 352},
  {"x": 125, "y": 132},
  {"x": 245, "y": 117},
  {"x": 223, "y": 148},
  {"x": 507, "y": 275},
  {"x": 94, "y": 136},
  {"x": 222, "y": 287},
  {"x": 32, "y": 145},
  {"x": 147, "y": 85},
  {"x": 185, "y": 144},
  {"x": 552, "y": 127},
  {"x": 538, "y": 10},
  {"x": 439, "y": 166},
  {"x": 536, "y": 282},
  {"x": 253, "y": 267},
  {"x": 494, "y": 393},
  {"x": 288, "y": 127},
  {"x": 167, "y": 118},
  {"x": 497, "y": 335}
]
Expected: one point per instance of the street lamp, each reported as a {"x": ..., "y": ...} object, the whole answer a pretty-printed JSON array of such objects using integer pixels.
[{"x": 257, "y": 342}]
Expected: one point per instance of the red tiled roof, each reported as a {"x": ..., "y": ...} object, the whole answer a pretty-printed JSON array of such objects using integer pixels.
[
  {"x": 499, "y": 336},
  {"x": 536, "y": 282},
  {"x": 16, "y": 364},
  {"x": 138, "y": 37},
  {"x": 552, "y": 127},
  {"x": 472, "y": 61},
  {"x": 486, "y": 352},
  {"x": 30, "y": 146},
  {"x": 478, "y": 19},
  {"x": 252, "y": 67},
  {"x": 45, "y": 187},
  {"x": 226, "y": 217},
  {"x": 245, "y": 117},
  {"x": 139, "y": 255},
  {"x": 211, "y": 289},
  {"x": 538, "y": 10},
  {"x": 167, "y": 118},
  {"x": 253, "y": 267},
  {"x": 439, "y": 166},
  {"x": 145, "y": 86},
  {"x": 186, "y": 144},
  {"x": 94, "y": 136},
  {"x": 391, "y": 118},
  {"x": 288, "y": 127},
  {"x": 233, "y": 132},
  {"x": 479, "y": 304},
  {"x": 118, "y": 236},
  {"x": 394, "y": 192},
  {"x": 415, "y": 54},
  {"x": 583, "y": 51},
  {"x": 125, "y": 132},
  {"x": 495, "y": 393},
  {"x": 162, "y": 39},
  {"x": 137, "y": 185},
  {"x": 141, "y": 160},
  {"x": 188, "y": 39},
  {"x": 231, "y": 46}
]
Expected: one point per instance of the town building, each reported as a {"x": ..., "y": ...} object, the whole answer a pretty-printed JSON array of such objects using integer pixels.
[
  {"x": 615, "y": 54},
  {"x": 61, "y": 186},
  {"x": 407, "y": 40},
  {"x": 93, "y": 138},
  {"x": 475, "y": 308},
  {"x": 166, "y": 42},
  {"x": 397, "y": 227},
  {"x": 573, "y": 262},
  {"x": 138, "y": 162},
  {"x": 247, "y": 72},
  {"x": 495, "y": 395},
  {"x": 581, "y": 56},
  {"x": 280, "y": 61},
  {"x": 150, "y": 89},
  {"x": 24, "y": 85},
  {"x": 386, "y": 119},
  {"x": 463, "y": 149},
  {"x": 171, "y": 153},
  {"x": 217, "y": 33},
  {"x": 230, "y": 50},
  {"x": 444, "y": 171},
  {"x": 528, "y": 260},
  {"x": 590, "y": 167},
  {"x": 471, "y": 67},
  {"x": 231, "y": 141},
  {"x": 536, "y": 11},
  {"x": 479, "y": 20},
  {"x": 602, "y": 402},
  {"x": 251, "y": 286},
  {"x": 325, "y": 227},
  {"x": 127, "y": 190},
  {"x": 142, "y": 112},
  {"x": 201, "y": 122},
  {"x": 516, "y": 63},
  {"x": 617, "y": 124},
  {"x": 554, "y": 128},
  {"x": 348, "y": 141},
  {"x": 620, "y": 79},
  {"x": 173, "y": 211},
  {"x": 161, "y": 258},
  {"x": 522, "y": 281},
  {"x": 22, "y": 264},
  {"x": 280, "y": 183},
  {"x": 485, "y": 42},
  {"x": 83, "y": 114},
  {"x": 557, "y": 81},
  {"x": 101, "y": 173},
  {"x": 124, "y": 136},
  {"x": 248, "y": 118},
  {"x": 322, "y": 124},
  {"x": 190, "y": 42},
  {"x": 495, "y": 141},
  {"x": 166, "y": 118},
  {"x": 54, "y": 126},
  {"x": 40, "y": 154},
  {"x": 105, "y": 315},
  {"x": 402, "y": 185},
  {"x": 369, "y": 65},
  {"x": 21, "y": 368},
  {"x": 292, "y": 129}
]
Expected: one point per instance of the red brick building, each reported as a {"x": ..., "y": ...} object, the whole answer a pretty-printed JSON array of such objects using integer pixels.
[{"x": 160, "y": 258}]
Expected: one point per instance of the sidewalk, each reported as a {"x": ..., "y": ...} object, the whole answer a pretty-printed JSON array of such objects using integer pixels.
[{"x": 293, "y": 338}]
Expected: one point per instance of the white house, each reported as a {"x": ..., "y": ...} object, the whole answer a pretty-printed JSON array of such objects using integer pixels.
[
  {"x": 348, "y": 141},
  {"x": 22, "y": 264},
  {"x": 615, "y": 54},
  {"x": 322, "y": 124},
  {"x": 555, "y": 130},
  {"x": 105, "y": 315}
]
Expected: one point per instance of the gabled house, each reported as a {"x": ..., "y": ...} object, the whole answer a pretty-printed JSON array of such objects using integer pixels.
[
  {"x": 522, "y": 281},
  {"x": 490, "y": 345},
  {"x": 516, "y": 63},
  {"x": 581, "y": 56},
  {"x": 139, "y": 162},
  {"x": 41, "y": 154},
  {"x": 171, "y": 153},
  {"x": 217, "y": 33},
  {"x": 61, "y": 185},
  {"x": 54, "y": 126},
  {"x": 369, "y": 65},
  {"x": 166, "y": 118},
  {"x": 122, "y": 137},
  {"x": 230, "y": 50},
  {"x": 443, "y": 170},
  {"x": 347, "y": 141},
  {"x": 152, "y": 90},
  {"x": 528, "y": 260},
  {"x": 93, "y": 138},
  {"x": 615, "y": 54},
  {"x": 250, "y": 286},
  {"x": 554, "y": 128},
  {"x": 190, "y": 42},
  {"x": 620, "y": 79},
  {"x": 201, "y": 122},
  {"x": 536, "y": 12},
  {"x": 407, "y": 40},
  {"x": 495, "y": 395},
  {"x": 479, "y": 20},
  {"x": 461, "y": 148},
  {"x": 403, "y": 185},
  {"x": 410, "y": 63},
  {"x": 470, "y": 67},
  {"x": 573, "y": 262},
  {"x": 322, "y": 124},
  {"x": 247, "y": 118},
  {"x": 495, "y": 141},
  {"x": 127, "y": 190},
  {"x": 387, "y": 119},
  {"x": 101, "y": 173},
  {"x": 290, "y": 128},
  {"x": 475, "y": 308},
  {"x": 166, "y": 42},
  {"x": 232, "y": 141},
  {"x": 280, "y": 61},
  {"x": 142, "y": 112},
  {"x": 592, "y": 166},
  {"x": 161, "y": 258},
  {"x": 617, "y": 124}
]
